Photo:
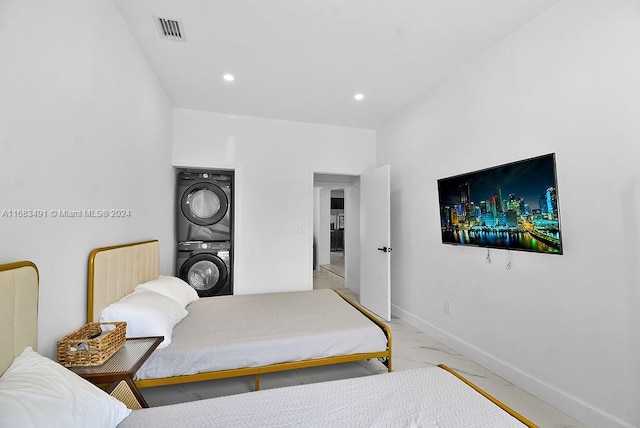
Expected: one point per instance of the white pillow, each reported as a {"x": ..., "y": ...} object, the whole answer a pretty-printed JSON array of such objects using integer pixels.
[
  {"x": 147, "y": 314},
  {"x": 37, "y": 392},
  {"x": 172, "y": 287}
]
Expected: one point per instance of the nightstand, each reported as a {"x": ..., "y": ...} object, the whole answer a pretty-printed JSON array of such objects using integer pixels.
[{"x": 118, "y": 371}]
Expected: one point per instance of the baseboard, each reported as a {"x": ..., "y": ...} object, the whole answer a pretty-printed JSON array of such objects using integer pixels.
[{"x": 567, "y": 403}]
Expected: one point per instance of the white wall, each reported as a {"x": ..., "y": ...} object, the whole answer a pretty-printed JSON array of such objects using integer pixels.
[
  {"x": 316, "y": 225},
  {"x": 564, "y": 327},
  {"x": 352, "y": 236},
  {"x": 323, "y": 234},
  {"x": 84, "y": 125},
  {"x": 274, "y": 161}
]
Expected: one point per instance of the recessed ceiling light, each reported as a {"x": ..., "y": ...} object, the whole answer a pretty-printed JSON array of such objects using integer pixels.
[
  {"x": 229, "y": 77},
  {"x": 359, "y": 96}
]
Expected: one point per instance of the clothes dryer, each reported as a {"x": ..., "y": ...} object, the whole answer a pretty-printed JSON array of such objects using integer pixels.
[
  {"x": 206, "y": 266},
  {"x": 204, "y": 211}
]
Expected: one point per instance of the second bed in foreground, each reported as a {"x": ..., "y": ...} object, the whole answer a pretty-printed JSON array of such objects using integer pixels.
[{"x": 424, "y": 397}]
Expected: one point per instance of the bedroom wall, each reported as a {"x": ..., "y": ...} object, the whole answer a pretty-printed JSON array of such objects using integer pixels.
[
  {"x": 85, "y": 126},
  {"x": 322, "y": 234},
  {"x": 274, "y": 161},
  {"x": 564, "y": 327},
  {"x": 352, "y": 236}
]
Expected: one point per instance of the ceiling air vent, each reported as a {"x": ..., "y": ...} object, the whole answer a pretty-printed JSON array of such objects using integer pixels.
[{"x": 170, "y": 29}]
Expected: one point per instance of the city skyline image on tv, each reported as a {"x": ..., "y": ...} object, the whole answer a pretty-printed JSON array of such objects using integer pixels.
[{"x": 512, "y": 206}]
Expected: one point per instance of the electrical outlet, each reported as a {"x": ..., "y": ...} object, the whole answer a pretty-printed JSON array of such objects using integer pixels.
[{"x": 447, "y": 307}]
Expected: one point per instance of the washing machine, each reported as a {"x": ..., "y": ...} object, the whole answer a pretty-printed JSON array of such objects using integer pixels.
[
  {"x": 206, "y": 266},
  {"x": 204, "y": 202}
]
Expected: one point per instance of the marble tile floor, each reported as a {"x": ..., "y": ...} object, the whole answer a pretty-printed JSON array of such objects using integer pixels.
[
  {"x": 411, "y": 348},
  {"x": 336, "y": 264}
]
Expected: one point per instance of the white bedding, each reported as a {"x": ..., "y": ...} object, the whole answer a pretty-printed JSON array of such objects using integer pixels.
[
  {"x": 255, "y": 330},
  {"x": 425, "y": 397}
]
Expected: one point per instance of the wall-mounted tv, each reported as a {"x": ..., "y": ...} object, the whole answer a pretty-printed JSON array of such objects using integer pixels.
[{"x": 512, "y": 206}]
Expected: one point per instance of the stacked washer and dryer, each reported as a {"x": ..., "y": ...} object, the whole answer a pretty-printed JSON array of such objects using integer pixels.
[{"x": 204, "y": 257}]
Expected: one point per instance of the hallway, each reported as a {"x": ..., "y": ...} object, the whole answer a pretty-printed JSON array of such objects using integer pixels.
[{"x": 332, "y": 276}]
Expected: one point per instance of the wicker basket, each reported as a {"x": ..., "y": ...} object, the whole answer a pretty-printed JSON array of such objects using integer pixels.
[{"x": 83, "y": 348}]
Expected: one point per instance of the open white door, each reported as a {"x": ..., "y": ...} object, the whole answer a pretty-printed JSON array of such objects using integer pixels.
[{"x": 375, "y": 241}]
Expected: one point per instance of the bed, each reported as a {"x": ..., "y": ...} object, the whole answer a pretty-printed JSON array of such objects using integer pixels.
[
  {"x": 240, "y": 335},
  {"x": 433, "y": 396}
]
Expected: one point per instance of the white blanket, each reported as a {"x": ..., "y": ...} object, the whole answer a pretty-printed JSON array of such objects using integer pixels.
[
  {"x": 255, "y": 330},
  {"x": 425, "y": 397}
]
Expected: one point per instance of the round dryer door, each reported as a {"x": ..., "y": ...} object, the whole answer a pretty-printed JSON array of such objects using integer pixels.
[
  {"x": 204, "y": 204},
  {"x": 207, "y": 273}
]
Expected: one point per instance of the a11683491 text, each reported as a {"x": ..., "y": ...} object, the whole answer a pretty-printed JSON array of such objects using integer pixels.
[{"x": 64, "y": 213}]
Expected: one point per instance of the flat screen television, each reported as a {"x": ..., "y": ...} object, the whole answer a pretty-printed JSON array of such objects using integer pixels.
[{"x": 512, "y": 206}]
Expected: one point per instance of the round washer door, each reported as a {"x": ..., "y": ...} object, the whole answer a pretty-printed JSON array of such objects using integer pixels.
[
  {"x": 207, "y": 273},
  {"x": 204, "y": 204}
]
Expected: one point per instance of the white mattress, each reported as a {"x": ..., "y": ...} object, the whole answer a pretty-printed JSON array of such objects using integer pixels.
[
  {"x": 425, "y": 397},
  {"x": 255, "y": 330}
]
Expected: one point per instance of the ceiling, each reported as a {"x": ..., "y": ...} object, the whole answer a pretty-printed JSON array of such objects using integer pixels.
[{"x": 304, "y": 60}]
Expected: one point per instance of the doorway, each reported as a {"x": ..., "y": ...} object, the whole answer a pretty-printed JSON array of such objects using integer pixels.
[
  {"x": 336, "y": 232},
  {"x": 367, "y": 211}
]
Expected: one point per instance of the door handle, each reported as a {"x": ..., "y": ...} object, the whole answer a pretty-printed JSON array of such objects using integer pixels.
[{"x": 385, "y": 249}]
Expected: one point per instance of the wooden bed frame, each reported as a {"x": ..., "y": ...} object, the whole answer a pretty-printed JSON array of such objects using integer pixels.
[
  {"x": 19, "y": 316},
  {"x": 115, "y": 271}
]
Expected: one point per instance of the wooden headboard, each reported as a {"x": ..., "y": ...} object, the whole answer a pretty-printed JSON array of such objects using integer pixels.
[
  {"x": 18, "y": 310},
  {"x": 115, "y": 272}
]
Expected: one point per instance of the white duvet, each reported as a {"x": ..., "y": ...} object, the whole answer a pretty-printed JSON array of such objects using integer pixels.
[
  {"x": 255, "y": 330},
  {"x": 425, "y": 397}
]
